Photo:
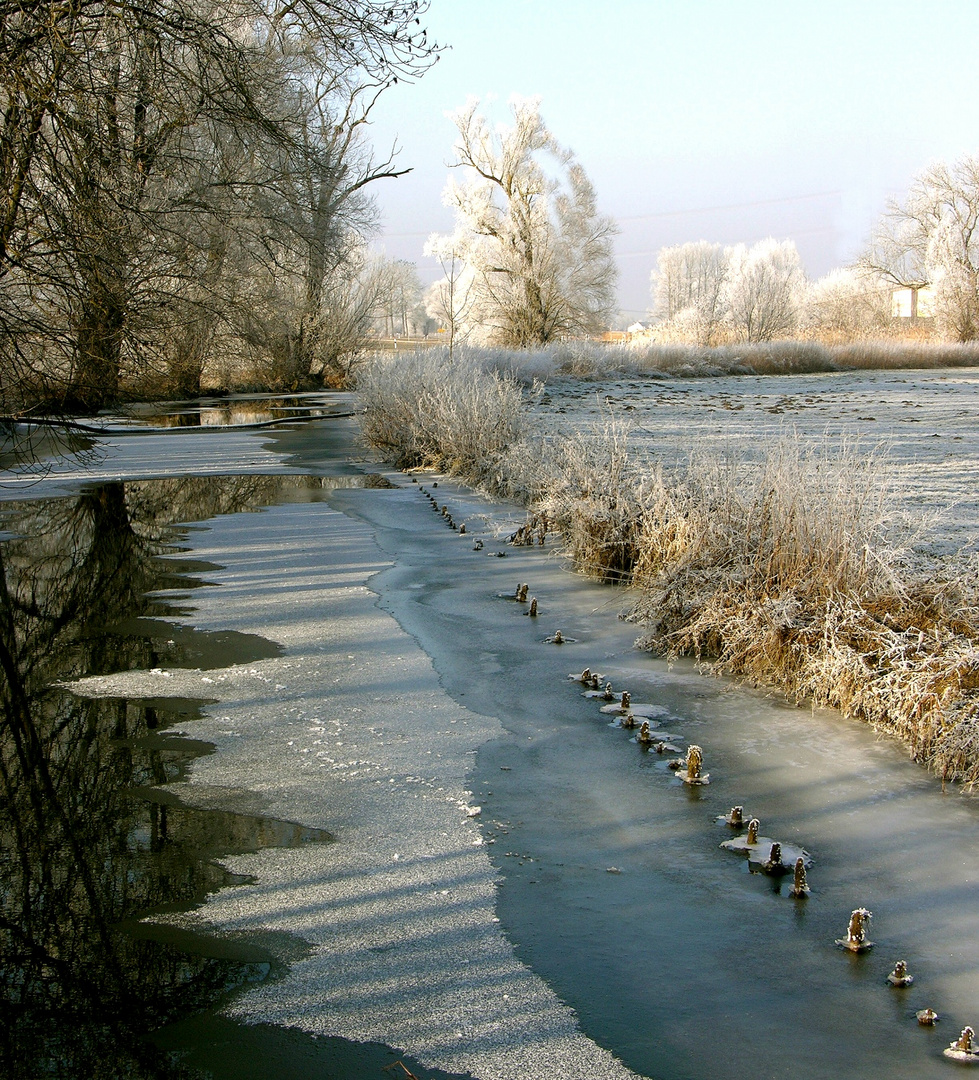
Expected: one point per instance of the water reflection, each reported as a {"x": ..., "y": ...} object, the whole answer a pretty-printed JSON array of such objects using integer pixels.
[
  {"x": 89, "y": 837},
  {"x": 31, "y": 447},
  {"x": 236, "y": 411}
]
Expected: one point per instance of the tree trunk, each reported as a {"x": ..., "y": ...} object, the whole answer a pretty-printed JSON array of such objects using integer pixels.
[{"x": 95, "y": 380}]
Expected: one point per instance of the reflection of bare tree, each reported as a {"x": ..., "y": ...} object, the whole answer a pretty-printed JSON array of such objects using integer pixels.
[
  {"x": 82, "y": 565},
  {"x": 78, "y": 853},
  {"x": 31, "y": 446}
]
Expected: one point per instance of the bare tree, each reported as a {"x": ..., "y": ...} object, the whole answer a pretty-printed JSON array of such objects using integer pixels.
[
  {"x": 353, "y": 296},
  {"x": 329, "y": 213},
  {"x": 399, "y": 297},
  {"x": 847, "y": 302},
  {"x": 450, "y": 300},
  {"x": 763, "y": 290},
  {"x": 540, "y": 253}
]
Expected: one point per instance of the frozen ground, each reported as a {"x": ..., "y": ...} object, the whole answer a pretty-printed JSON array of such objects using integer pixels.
[{"x": 412, "y": 692}]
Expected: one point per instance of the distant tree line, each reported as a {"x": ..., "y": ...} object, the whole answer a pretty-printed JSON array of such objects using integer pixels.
[
  {"x": 708, "y": 293},
  {"x": 185, "y": 184}
]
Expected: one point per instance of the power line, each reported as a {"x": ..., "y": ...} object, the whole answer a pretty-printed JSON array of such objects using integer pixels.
[
  {"x": 733, "y": 206},
  {"x": 659, "y": 215},
  {"x": 795, "y": 232}
]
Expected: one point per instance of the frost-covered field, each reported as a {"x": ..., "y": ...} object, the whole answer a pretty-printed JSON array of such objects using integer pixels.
[{"x": 924, "y": 423}]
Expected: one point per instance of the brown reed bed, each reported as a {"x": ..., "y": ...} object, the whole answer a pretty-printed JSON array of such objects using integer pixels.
[{"x": 781, "y": 573}]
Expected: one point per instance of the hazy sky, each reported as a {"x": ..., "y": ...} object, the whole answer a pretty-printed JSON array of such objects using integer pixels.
[{"x": 720, "y": 120}]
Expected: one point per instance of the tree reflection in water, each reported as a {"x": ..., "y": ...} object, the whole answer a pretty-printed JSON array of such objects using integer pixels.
[{"x": 80, "y": 853}]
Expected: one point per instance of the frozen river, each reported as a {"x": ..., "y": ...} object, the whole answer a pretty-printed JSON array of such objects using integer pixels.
[{"x": 429, "y": 844}]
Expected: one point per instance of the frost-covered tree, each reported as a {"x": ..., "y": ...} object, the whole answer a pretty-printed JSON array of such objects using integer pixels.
[
  {"x": 688, "y": 287},
  {"x": 763, "y": 290},
  {"x": 847, "y": 302},
  {"x": 450, "y": 300},
  {"x": 400, "y": 293},
  {"x": 933, "y": 237},
  {"x": 529, "y": 230}
]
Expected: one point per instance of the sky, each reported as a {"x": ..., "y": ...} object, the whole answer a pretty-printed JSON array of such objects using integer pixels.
[{"x": 721, "y": 120}]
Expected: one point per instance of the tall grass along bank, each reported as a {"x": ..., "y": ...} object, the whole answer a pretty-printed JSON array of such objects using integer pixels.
[
  {"x": 428, "y": 410},
  {"x": 596, "y": 360},
  {"x": 781, "y": 570}
]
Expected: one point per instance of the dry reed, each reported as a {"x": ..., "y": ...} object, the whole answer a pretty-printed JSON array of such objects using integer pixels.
[
  {"x": 597, "y": 360},
  {"x": 427, "y": 410},
  {"x": 780, "y": 573},
  {"x": 592, "y": 488}
]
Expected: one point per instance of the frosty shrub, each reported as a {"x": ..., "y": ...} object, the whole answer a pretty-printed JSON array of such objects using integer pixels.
[
  {"x": 847, "y": 305},
  {"x": 426, "y": 408},
  {"x": 763, "y": 289},
  {"x": 689, "y": 290}
]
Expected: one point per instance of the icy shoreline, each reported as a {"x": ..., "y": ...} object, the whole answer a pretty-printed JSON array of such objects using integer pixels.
[{"x": 681, "y": 937}]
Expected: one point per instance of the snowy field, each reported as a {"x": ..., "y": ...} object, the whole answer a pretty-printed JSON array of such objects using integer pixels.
[{"x": 924, "y": 423}]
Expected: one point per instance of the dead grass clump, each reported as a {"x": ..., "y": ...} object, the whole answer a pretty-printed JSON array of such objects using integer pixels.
[
  {"x": 780, "y": 573},
  {"x": 592, "y": 490},
  {"x": 665, "y": 359},
  {"x": 786, "y": 357},
  {"x": 802, "y": 517}
]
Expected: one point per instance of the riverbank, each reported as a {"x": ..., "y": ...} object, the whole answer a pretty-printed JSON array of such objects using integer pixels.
[{"x": 780, "y": 563}]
